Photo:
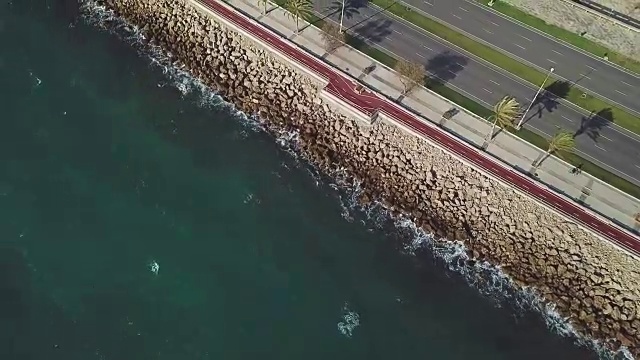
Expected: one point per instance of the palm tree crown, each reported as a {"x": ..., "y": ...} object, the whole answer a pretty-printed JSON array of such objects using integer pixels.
[
  {"x": 562, "y": 141},
  {"x": 299, "y": 9},
  {"x": 505, "y": 112}
]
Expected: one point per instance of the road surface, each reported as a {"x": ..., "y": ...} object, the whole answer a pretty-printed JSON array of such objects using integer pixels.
[
  {"x": 603, "y": 143},
  {"x": 594, "y": 75},
  {"x": 340, "y": 85}
]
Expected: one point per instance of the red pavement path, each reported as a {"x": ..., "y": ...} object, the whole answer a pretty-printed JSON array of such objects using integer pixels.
[{"x": 366, "y": 101}]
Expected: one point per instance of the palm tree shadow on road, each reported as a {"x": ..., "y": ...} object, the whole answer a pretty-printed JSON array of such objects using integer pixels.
[
  {"x": 549, "y": 99},
  {"x": 593, "y": 124}
]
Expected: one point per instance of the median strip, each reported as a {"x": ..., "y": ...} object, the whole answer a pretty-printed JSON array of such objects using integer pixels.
[{"x": 560, "y": 88}]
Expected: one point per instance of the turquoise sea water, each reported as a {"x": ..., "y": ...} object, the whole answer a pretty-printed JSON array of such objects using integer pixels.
[{"x": 136, "y": 223}]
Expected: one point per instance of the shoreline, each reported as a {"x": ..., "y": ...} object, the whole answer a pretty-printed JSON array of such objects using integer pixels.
[{"x": 410, "y": 176}]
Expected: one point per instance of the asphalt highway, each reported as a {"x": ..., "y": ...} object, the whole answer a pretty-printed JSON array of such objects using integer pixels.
[
  {"x": 593, "y": 74},
  {"x": 601, "y": 142},
  {"x": 343, "y": 87}
]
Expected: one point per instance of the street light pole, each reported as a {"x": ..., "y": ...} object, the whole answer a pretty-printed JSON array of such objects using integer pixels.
[
  {"x": 341, "y": 15},
  {"x": 534, "y": 98}
]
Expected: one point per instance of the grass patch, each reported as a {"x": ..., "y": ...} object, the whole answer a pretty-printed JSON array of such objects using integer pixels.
[
  {"x": 480, "y": 110},
  {"x": 565, "y": 35},
  {"x": 572, "y": 94}
]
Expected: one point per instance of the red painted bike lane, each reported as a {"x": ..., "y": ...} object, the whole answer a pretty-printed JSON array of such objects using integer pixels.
[{"x": 341, "y": 86}]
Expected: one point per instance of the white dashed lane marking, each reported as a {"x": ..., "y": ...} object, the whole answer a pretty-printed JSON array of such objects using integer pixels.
[
  {"x": 494, "y": 82},
  {"x": 456, "y": 16},
  {"x": 620, "y": 92},
  {"x": 520, "y": 46},
  {"x": 524, "y": 37}
]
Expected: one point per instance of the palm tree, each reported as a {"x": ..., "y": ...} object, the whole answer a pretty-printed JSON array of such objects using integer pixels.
[
  {"x": 563, "y": 140},
  {"x": 505, "y": 113},
  {"x": 299, "y": 9},
  {"x": 263, "y": 4}
]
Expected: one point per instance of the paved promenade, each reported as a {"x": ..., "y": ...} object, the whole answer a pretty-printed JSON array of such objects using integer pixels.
[{"x": 342, "y": 86}]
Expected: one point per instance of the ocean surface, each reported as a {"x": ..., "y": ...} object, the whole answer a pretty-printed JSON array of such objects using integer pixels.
[{"x": 143, "y": 219}]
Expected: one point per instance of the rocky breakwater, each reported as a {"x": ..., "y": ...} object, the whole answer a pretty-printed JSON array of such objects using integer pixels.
[{"x": 594, "y": 285}]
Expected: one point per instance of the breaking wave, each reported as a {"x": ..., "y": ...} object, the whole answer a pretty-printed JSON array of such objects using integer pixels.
[{"x": 489, "y": 280}]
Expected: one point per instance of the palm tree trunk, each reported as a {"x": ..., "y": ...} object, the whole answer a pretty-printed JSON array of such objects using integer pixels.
[{"x": 543, "y": 158}]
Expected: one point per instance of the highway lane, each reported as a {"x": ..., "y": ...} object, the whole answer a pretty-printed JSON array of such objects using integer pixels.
[
  {"x": 593, "y": 74},
  {"x": 615, "y": 149},
  {"x": 343, "y": 87}
]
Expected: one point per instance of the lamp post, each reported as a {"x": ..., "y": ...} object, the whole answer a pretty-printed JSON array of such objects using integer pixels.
[
  {"x": 534, "y": 98},
  {"x": 341, "y": 15}
]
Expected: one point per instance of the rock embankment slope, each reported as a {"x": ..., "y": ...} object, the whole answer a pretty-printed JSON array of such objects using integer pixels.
[{"x": 593, "y": 284}]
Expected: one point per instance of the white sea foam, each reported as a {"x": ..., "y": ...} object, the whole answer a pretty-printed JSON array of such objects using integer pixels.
[
  {"x": 488, "y": 279},
  {"x": 350, "y": 321}
]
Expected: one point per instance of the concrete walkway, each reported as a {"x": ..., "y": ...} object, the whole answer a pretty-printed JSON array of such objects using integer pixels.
[{"x": 555, "y": 173}]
